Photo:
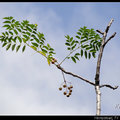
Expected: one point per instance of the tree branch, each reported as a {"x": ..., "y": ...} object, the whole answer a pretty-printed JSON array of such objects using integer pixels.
[
  {"x": 100, "y": 32},
  {"x": 74, "y": 75},
  {"x": 113, "y": 35},
  {"x": 97, "y": 81},
  {"x": 107, "y": 28},
  {"x": 109, "y": 86}
]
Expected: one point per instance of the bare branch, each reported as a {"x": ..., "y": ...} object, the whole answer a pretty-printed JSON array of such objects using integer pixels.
[
  {"x": 100, "y": 32},
  {"x": 109, "y": 86},
  {"x": 113, "y": 35},
  {"x": 74, "y": 75},
  {"x": 107, "y": 28}
]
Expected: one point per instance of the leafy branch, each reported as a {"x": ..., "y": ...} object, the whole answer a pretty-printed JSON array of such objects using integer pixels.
[
  {"x": 23, "y": 33},
  {"x": 87, "y": 41}
]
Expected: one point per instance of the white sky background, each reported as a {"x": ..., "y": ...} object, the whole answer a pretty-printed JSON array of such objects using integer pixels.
[{"x": 29, "y": 86}]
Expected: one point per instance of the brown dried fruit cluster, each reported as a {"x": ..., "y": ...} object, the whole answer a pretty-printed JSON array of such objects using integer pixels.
[
  {"x": 68, "y": 89},
  {"x": 53, "y": 61}
]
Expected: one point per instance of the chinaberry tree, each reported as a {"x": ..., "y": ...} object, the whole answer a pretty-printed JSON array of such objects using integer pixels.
[{"x": 86, "y": 43}]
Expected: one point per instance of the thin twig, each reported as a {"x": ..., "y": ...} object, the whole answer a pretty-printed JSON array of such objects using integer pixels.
[
  {"x": 107, "y": 28},
  {"x": 109, "y": 86},
  {"x": 100, "y": 32},
  {"x": 113, "y": 35},
  {"x": 69, "y": 55}
]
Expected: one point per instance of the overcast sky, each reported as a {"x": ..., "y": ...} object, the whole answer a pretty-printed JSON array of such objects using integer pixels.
[{"x": 29, "y": 86}]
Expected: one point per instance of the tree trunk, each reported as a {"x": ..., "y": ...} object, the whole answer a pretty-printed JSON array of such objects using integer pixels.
[
  {"x": 97, "y": 76},
  {"x": 98, "y": 100}
]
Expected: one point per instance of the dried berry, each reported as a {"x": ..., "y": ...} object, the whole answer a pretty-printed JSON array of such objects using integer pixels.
[
  {"x": 68, "y": 95},
  {"x": 60, "y": 88},
  {"x": 64, "y": 85},
  {"x": 71, "y": 86},
  {"x": 70, "y": 90},
  {"x": 53, "y": 61},
  {"x": 65, "y": 93}
]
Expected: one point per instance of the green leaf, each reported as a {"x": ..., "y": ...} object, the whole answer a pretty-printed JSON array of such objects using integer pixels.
[
  {"x": 45, "y": 47},
  {"x": 14, "y": 39},
  {"x": 86, "y": 54},
  {"x": 3, "y": 34},
  {"x": 49, "y": 46},
  {"x": 17, "y": 48},
  {"x": 48, "y": 60},
  {"x": 33, "y": 36},
  {"x": 28, "y": 29},
  {"x": 78, "y": 33},
  {"x": 10, "y": 32},
  {"x": 72, "y": 42},
  {"x": 6, "y": 26},
  {"x": 85, "y": 46},
  {"x": 24, "y": 40},
  {"x": 69, "y": 48},
  {"x": 89, "y": 55},
  {"x": 81, "y": 52},
  {"x": 93, "y": 54},
  {"x": 13, "y": 47},
  {"x": 74, "y": 46},
  {"x": 41, "y": 52},
  {"x": 8, "y": 46},
  {"x": 73, "y": 59},
  {"x": 12, "y": 25},
  {"x": 15, "y": 32},
  {"x": 76, "y": 57},
  {"x": 36, "y": 40},
  {"x": 32, "y": 25},
  {"x": 67, "y": 36},
  {"x": 23, "y": 49},
  {"x": 18, "y": 29},
  {"x": 13, "y": 20},
  {"x": 17, "y": 23},
  {"x": 35, "y": 44},
  {"x": 67, "y": 44},
  {"x": 45, "y": 51},
  {"x": 33, "y": 47},
  {"x": 20, "y": 40},
  {"x": 71, "y": 39},
  {"x": 51, "y": 49},
  {"x": 4, "y": 44},
  {"x": 82, "y": 41},
  {"x": 77, "y": 54},
  {"x": 25, "y": 36},
  {"x": 28, "y": 33},
  {"x": 6, "y": 22},
  {"x": 10, "y": 18},
  {"x": 6, "y": 18},
  {"x": 93, "y": 50},
  {"x": 77, "y": 36},
  {"x": 6, "y": 33}
]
